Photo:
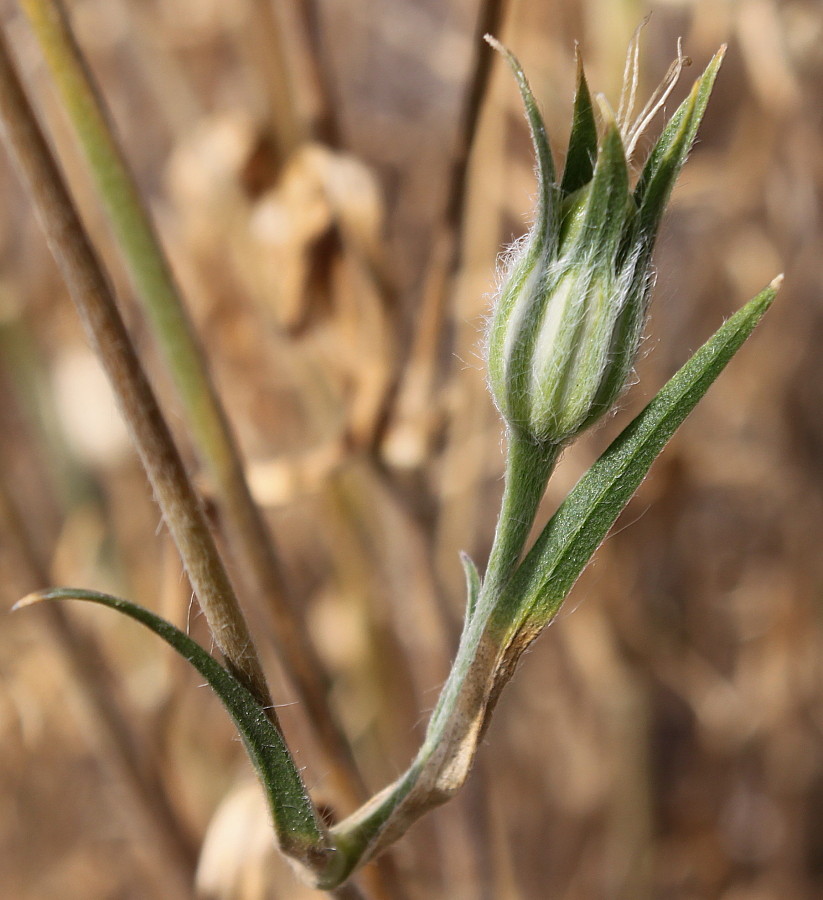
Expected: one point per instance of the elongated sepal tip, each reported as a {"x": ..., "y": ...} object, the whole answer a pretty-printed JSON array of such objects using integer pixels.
[
  {"x": 776, "y": 283},
  {"x": 492, "y": 41},
  {"x": 504, "y": 51}
]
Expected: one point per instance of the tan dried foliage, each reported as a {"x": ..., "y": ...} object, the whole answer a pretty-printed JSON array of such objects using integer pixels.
[{"x": 665, "y": 738}]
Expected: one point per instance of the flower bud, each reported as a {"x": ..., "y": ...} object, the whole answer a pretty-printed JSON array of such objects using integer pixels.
[{"x": 567, "y": 323}]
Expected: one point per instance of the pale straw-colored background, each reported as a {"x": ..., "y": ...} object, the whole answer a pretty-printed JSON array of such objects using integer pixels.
[{"x": 664, "y": 739}]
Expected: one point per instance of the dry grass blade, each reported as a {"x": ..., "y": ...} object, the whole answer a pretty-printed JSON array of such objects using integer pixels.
[
  {"x": 664, "y": 735},
  {"x": 248, "y": 537},
  {"x": 108, "y": 335}
]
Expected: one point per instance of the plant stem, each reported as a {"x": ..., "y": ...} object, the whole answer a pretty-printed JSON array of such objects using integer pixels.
[
  {"x": 415, "y": 379},
  {"x": 459, "y": 717},
  {"x": 249, "y": 539},
  {"x": 491, "y": 16},
  {"x": 108, "y": 336},
  {"x": 528, "y": 468}
]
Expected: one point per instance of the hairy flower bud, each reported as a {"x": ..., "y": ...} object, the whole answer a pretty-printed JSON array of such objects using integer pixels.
[{"x": 567, "y": 323}]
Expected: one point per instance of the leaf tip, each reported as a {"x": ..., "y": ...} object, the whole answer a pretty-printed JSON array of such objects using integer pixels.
[
  {"x": 28, "y": 600},
  {"x": 776, "y": 283}
]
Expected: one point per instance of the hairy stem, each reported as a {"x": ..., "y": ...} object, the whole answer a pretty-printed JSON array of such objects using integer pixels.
[{"x": 528, "y": 468}]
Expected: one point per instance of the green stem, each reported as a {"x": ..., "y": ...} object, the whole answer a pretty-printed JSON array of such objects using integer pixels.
[
  {"x": 528, "y": 468},
  {"x": 249, "y": 540},
  {"x": 389, "y": 813},
  {"x": 301, "y": 831}
]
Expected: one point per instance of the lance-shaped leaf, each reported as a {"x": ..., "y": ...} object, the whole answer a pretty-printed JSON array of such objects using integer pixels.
[{"x": 300, "y": 833}]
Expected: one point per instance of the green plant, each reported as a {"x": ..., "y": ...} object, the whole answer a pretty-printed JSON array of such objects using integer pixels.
[{"x": 561, "y": 344}]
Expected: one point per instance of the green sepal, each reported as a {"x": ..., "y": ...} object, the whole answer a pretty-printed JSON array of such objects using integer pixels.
[
  {"x": 547, "y": 193},
  {"x": 583, "y": 138},
  {"x": 539, "y": 246},
  {"x": 609, "y": 209},
  {"x": 569, "y": 540},
  {"x": 300, "y": 833},
  {"x": 669, "y": 154},
  {"x": 623, "y": 347}
]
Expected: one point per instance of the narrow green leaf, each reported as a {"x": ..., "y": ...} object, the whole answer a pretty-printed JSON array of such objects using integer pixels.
[
  {"x": 571, "y": 537},
  {"x": 583, "y": 138},
  {"x": 300, "y": 833}
]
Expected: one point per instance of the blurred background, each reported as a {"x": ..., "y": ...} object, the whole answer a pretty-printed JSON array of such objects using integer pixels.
[{"x": 307, "y": 164}]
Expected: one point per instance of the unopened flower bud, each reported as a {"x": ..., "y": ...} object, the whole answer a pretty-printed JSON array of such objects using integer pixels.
[{"x": 567, "y": 323}]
